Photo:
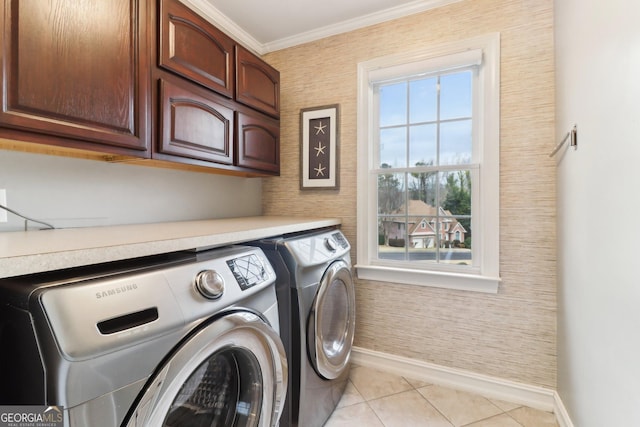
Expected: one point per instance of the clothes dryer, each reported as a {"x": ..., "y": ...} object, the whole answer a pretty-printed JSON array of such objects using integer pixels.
[
  {"x": 316, "y": 300},
  {"x": 185, "y": 339}
]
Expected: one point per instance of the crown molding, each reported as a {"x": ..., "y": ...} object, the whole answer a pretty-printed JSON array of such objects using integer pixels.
[
  {"x": 357, "y": 23},
  {"x": 213, "y": 15}
]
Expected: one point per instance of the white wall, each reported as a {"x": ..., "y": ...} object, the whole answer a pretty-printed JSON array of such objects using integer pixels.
[
  {"x": 598, "y": 88},
  {"x": 79, "y": 193}
]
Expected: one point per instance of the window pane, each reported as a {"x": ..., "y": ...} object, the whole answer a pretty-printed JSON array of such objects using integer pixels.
[
  {"x": 456, "y": 206},
  {"x": 391, "y": 193},
  {"x": 422, "y": 187},
  {"x": 422, "y": 145},
  {"x": 456, "y": 217},
  {"x": 393, "y": 147},
  {"x": 391, "y": 241},
  {"x": 455, "y": 240},
  {"x": 423, "y": 100},
  {"x": 393, "y": 104},
  {"x": 422, "y": 239},
  {"x": 455, "y": 95},
  {"x": 455, "y": 192},
  {"x": 437, "y": 239},
  {"x": 455, "y": 142}
]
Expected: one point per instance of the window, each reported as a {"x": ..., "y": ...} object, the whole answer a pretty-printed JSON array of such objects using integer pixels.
[{"x": 428, "y": 158}]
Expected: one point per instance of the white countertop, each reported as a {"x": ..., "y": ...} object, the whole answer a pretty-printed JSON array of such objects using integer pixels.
[{"x": 25, "y": 252}]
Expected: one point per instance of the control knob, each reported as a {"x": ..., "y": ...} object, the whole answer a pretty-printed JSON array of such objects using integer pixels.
[
  {"x": 210, "y": 284},
  {"x": 330, "y": 244}
]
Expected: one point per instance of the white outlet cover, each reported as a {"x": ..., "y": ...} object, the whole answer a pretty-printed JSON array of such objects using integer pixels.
[{"x": 3, "y": 202}]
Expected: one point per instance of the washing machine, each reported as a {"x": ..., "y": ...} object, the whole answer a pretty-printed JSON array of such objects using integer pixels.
[
  {"x": 316, "y": 300},
  {"x": 183, "y": 339}
]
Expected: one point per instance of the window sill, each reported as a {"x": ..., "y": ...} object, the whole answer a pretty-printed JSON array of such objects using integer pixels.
[{"x": 436, "y": 279}]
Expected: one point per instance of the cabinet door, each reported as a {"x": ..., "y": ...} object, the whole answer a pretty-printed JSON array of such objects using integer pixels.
[
  {"x": 192, "y": 47},
  {"x": 194, "y": 125},
  {"x": 77, "y": 69},
  {"x": 258, "y": 142},
  {"x": 257, "y": 83}
]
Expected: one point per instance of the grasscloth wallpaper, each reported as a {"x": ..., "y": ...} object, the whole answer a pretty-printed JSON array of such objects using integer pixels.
[{"x": 512, "y": 334}]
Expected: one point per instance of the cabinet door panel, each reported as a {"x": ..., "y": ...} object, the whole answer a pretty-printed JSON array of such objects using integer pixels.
[
  {"x": 76, "y": 69},
  {"x": 258, "y": 84},
  {"x": 194, "y": 126},
  {"x": 258, "y": 142},
  {"x": 192, "y": 47}
]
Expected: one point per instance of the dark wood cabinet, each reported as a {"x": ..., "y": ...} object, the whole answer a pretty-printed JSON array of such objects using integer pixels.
[
  {"x": 78, "y": 71},
  {"x": 258, "y": 141},
  {"x": 191, "y": 47},
  {"x": 143, "y": 81},
  {"x": 257, "y": 83},
  {"x": 194, "y": 125}
]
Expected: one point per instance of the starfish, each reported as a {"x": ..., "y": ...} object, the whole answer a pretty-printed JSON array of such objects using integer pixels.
[
  {"x": 320, "y": 128},
  {"x": 319, "y": 170},
  {"x": 319, "y": 149}
]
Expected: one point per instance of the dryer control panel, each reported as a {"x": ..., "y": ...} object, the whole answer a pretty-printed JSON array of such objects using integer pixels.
[{"x": 318, "y": 248}]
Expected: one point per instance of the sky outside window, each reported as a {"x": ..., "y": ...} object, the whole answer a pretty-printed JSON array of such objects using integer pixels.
[{"x": 414, "y": 114}]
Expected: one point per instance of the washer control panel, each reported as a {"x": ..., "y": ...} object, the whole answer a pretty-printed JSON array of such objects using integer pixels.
[
  {"x": 104, "y": 312},
  {"x": 340, "y": 239},
  {"x": 248, "y": 270}
]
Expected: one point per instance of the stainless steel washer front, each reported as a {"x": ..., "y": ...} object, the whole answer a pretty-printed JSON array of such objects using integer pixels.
[{"x": 188, "y": 339}]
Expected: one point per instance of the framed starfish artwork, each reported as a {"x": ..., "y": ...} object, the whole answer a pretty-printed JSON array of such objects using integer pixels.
[{"x": 319, "y": 147}]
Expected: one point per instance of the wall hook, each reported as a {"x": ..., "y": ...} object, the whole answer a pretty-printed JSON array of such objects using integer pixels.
[{"x": 572, "y": 135}]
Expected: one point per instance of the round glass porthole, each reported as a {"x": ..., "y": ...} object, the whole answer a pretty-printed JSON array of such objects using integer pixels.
[
  {"x": 225, "y": 390},
  {"x": 333, "y": 317}
]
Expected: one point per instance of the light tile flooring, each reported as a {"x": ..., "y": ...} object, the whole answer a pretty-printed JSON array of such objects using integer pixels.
[{"x": 380, "y": 399}]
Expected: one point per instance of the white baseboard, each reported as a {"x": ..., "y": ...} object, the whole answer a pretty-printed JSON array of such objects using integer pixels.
[
  {"x": 493, "y": 387},
  {"x": 561, "y": 412}
]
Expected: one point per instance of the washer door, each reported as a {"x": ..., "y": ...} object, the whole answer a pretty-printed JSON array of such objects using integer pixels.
[
  {"x": 332, "y": 322},
  {"x": 232, "y": 372}
]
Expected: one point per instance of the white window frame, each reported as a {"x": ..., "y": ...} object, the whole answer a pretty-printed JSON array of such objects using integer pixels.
[{"x": 485, "y": 276}]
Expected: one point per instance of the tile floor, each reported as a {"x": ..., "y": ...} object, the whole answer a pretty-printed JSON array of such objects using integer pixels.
[{"x": 380, "y": 399}]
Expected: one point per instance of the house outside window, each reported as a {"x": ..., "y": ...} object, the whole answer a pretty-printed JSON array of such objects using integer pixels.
[{"x": 428, "y": 154}]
